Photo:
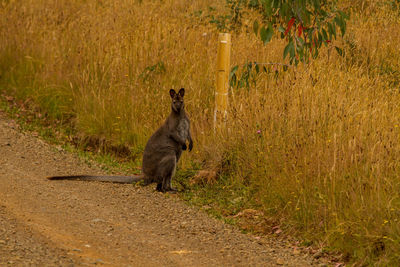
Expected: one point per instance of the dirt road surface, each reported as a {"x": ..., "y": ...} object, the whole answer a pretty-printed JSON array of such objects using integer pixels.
[{"x": 73, "y": 223}]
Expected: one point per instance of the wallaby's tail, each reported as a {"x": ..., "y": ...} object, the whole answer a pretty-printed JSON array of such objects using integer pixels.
[{"x": 111, "y": 179}]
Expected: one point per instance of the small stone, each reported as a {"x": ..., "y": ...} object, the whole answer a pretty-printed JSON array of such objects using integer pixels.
[{"x": 280, "y": 262}]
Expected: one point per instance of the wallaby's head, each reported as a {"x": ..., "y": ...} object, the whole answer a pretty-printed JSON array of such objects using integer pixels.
[{"x": 177, "y": 99}]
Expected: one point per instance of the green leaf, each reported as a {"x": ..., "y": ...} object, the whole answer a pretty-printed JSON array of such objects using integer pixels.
[
  {"x": 270, "y": 32},
  {"x": 292, "y": 51},
  {"x": 331, "y": 30},
  {"x": 232, "y": 76},
  {"x": 255, "y": 27},
  {"x": 263, "y": 34},
  {"x": 266, "y": 34},
  {"x": 325, "y": 35},
  {"x": 286, "y": 51},
  {"x": 339, "y": 51},
  {"x": 334, "y": 30},
  {"x": 234, "y": 69},
  {"x": 300, "y": 52},
  {"x": 289, "y": 49},
  {"x": 319, "y": 40},
  {"x": 310, "y": 33},
  {"x": 341, "y": 23}
]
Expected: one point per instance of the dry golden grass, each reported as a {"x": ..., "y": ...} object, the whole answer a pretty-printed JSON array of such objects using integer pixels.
[{"x": 318, "y": 145}]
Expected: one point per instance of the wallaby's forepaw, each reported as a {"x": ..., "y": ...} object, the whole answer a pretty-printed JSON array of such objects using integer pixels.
[
  {"x": 184, "y": 147},
  {"x": 190, "y": 146}
]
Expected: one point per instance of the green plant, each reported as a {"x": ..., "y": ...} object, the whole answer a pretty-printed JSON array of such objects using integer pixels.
[{"x": 306, "y": 25}]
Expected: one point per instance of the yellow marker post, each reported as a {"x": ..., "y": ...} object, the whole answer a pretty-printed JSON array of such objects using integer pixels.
[{"x": 222, "y": 83}]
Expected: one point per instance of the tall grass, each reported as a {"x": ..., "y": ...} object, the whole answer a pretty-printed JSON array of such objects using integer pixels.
[{"x": 317, "y": 146}]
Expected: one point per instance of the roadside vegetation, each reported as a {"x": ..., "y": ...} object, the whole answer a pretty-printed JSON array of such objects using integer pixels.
[{"x": 310, "y": 151}]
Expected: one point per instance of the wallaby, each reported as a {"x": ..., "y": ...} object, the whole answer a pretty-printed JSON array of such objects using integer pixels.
[{"x": 161, "y": 153}]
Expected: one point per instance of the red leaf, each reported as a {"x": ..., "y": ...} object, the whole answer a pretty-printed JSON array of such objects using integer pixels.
[
  {"x": 300, "y": 30},
  {"x": 328, "y": 41},
  {"x": 289, "y": 25}
]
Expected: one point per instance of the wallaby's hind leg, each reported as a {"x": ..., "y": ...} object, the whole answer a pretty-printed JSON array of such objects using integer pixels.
[
  {"x": 167, "y": 171},
  {"x": 166, "y": 185},
  {"x": 159, "y": 187}
]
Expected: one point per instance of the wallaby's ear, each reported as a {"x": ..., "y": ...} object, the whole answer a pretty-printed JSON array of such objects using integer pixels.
[
  {"x": 172, "y": 93},
  {"x": 182, "y": 92}
]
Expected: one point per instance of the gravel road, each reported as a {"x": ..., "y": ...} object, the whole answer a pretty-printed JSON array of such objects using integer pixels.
[{"x": 73, "y": 223}]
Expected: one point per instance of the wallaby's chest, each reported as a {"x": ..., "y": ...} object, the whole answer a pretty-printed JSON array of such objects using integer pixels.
[{"x": 183, "y": 128}]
